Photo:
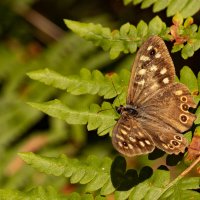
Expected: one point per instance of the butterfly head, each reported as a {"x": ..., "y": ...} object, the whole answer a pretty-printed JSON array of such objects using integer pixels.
[{"x": 130, "y": 110}]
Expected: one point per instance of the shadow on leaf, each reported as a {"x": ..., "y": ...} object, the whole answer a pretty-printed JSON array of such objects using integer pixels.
[
  {"x": 157, "y": 153},
  {"x": 173, "y": 160},
  {"x": 124, "y": 180}
]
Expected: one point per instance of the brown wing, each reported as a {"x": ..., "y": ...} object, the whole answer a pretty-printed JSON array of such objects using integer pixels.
[
  {"x": 152, "y": 70},
  {"x": 130, "y": 139},
  {"x": 166, "y": 115}
]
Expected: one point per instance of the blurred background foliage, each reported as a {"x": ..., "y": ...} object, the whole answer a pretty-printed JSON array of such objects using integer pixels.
[{"x": 33, "y": 36}]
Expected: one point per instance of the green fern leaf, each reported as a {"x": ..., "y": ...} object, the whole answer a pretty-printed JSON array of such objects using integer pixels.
[
  {"x": 103, "y": 120},
  {"x": 190, "y": 8},
  {"x": 160, "y": 5},
  {"x": 96, "y": 175},
  {"x": 41, "y": 193},
  {"x": 36, "y": 193},
  {"x": 188, "y": 78},
  {"x": 93, "y": 172},
  {"x": 185, "y": 7},
  {"x": 86, "y": 83},
  {"x": 156, "y": 26},
  {"x": 126, "y": 40},
  {"x": 183, "y": 189},
  {"x": 147, "y": 3},
  {"x": 156, "y": 188},
  {"x": 175, "y": 6}
]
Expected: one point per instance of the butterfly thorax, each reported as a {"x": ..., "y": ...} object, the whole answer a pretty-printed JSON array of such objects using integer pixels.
[{"x": 129, "y": 109}]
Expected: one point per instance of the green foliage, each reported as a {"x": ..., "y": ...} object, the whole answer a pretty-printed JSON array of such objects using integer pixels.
[
  {"x": 95, "y": 117},
  {"x": 48, "y": 193},
  {"x": 185, "y": 7},
  {"x": 86, "y": 83},
  {"x": 129, "y": 37},
  {"x": 24, "y": 49},
  {"x": 126, "y": 40},
  {"x": 94, "y": 173}
]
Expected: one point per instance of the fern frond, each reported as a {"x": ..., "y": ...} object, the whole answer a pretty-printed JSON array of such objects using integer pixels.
[
  {"x": 41, "y": 193},
  {"x": 92, "y": 172},
  {"x": 156, "y": 188},
  {"x": 129, "y": 37},
  {"x": 87, "y": 83},
  {"x": 185, "y": 7},
  {"x": 95, "y": 174},
  {"x": 126, "y": 40},
  {"x": 96, "y": 117}
]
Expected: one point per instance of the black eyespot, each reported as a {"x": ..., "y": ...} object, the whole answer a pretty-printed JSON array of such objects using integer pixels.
[
  {"x": 178, "y": 137},
  {"x": 183, "y": 118},
  {"x": 184, "y": 99},
  {"x": 125, "y": 144},
  {"x": 185, "y": 107},
  {"x": 152, "y": 52},
  {"x": 175, "y": 143}
]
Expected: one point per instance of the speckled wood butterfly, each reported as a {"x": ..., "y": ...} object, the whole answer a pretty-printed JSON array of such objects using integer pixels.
[{"x": 156, "y": 111}]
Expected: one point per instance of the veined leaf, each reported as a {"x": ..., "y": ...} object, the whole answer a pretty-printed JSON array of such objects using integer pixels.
[
  {"x": 102, "y": 118},
  {"x": 63, "y": 166},
  {"x": 41, "y": 193},
  {"x": 86, "y": 83},
  {"x": 126, "y": 40},
  {"x": 188, "y": 78},
  {"x": 185, "y": 7}
]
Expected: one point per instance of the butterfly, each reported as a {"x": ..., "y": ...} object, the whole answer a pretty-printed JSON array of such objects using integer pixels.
[{"x": 157, "y": 107}]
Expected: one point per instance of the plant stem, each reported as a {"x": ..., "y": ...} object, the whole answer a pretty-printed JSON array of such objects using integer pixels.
[{"x": 184, "y": 173}]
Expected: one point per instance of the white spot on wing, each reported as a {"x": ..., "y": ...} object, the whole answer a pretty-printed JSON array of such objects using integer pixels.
[
  {"x": 147, "y": 142},
  {"x": 178, "y": 92},
  {"x": 141, "y": 82},
  {"x": 165, "y": 146},
  {"x": 157, "y": 55},
  {"x": 120, "y": 144},
  {"x": 153, "y": 68},
  {"x": 144, "y": 58},
  {"x": 142, "y": 72},
  {"x": 140, "y": 134},
  {"x": 127, "y": 128},
  {"x": 130, "y": 146},
  {"x": 142, "y": 143},
  {"x": 149, "y": 48},
  {"x": 163, "y": 71},
  {"x": 120, "y": 137},
  {"x": 166, "y": 80},
  {"x": 132, "y": 139},
  {"x": 123, "y": 132}
]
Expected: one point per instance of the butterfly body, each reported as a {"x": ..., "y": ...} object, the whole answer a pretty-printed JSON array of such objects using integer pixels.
[{"x": 156, "y": 111}]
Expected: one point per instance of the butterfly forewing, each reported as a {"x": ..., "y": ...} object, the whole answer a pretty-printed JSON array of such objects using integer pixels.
[
  {"x": 157, "y": 108},
  {"x": 152, "y": 70}
]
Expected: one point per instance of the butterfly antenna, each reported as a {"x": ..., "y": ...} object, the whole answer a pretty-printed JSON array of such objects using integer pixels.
[{"x": 116, "y": 91}]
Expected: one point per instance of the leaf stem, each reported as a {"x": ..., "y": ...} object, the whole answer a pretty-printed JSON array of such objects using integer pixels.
[{"x": 179, "y": 177}]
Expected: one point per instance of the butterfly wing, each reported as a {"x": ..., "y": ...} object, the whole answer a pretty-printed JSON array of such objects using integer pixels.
[
  {"x": 129, "y": 138},
  {"x": 160, "y": 103},
  {"x": 152, "y": 70},
  {"x": 166, "y": 115}
]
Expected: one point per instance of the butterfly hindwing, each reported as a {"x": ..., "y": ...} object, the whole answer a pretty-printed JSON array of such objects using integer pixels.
[
  {"x": 130, "y": 139},
  {"x": 171, "y": 106}
]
